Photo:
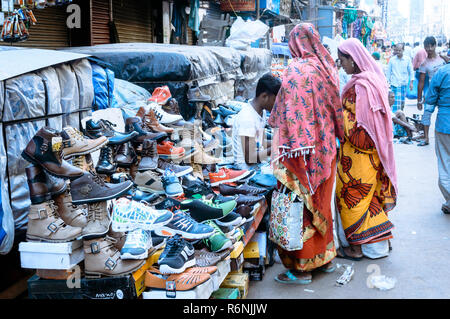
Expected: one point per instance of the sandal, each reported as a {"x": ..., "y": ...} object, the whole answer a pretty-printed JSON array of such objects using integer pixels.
[
  {"x": 343, "y": 255},
  {"x": 328, "y": 268},
  {"x": 423, "y": 143},
  {"x": 292, "y": 279}
]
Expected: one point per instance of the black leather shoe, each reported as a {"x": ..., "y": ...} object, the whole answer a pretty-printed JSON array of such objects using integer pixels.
[
  {"x": 105, "y": 163},
  {"x": 138, "y": 195},
  {"x": 135, "y": 124},
  {"x": 125, "y": 156},
  {"x": 105, "y": 128}
]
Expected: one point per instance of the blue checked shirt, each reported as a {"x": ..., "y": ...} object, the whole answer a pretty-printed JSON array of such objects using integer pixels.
[
  {"x": 439, "y": 95},
  {"x": 399, "y": 71}
]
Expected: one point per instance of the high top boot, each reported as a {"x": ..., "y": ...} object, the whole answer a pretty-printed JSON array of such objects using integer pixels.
[
  {"x": 136, "y": 124},
  {"x": 44, "y": 224},
  {"x": 42, "y": 186},
  {"x": 120, "y": 238},
  {"x": 151, "y": 122},
  {"x": 45, "y": 149},
  {"x": 102, "y": 258},
  {"x": 72, "y": 215},
  {"x": 83, "y": 162},
  {"x": 76, "y": 144},
  {"x": 98, "y": 220},
  {"x": 203, "y": 157},
  {"x": 105, "y": 128},
  {"x": 149, "y": 156},
  {"x": 126, "y": 155},
  {"x": 105, "y": 164}
]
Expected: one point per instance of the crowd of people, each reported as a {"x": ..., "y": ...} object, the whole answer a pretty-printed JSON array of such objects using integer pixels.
[{"x": 334, "y": 123}]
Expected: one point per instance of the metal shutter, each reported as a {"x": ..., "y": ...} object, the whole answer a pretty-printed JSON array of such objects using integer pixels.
[
  {"x": 99, "y": 24},
  {"x": 133, "y": 20},
  {"x": 50, "y": 31}
]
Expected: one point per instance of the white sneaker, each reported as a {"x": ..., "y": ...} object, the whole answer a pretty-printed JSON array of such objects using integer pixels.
[
  {"x": 162, "y": 116},
  {"x": 137, "y": 245}
]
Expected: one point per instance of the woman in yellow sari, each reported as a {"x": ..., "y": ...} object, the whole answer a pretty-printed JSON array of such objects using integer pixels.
[{"x": 366, "y": 183}]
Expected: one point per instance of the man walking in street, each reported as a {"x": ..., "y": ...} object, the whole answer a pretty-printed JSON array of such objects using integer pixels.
[
  {"x": 399, "y": 74},
  {"x": 439, "y": 95}
]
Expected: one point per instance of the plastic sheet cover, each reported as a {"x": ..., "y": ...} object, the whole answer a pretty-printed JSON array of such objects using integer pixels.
[
  {"x": 83, "y": 73},
  {"x": 51, "y": 82},
  {"x": 70, "y": 96},
  {"x": 255, "y": 63}
]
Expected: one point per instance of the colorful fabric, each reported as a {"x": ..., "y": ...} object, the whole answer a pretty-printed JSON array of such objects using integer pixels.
[
  {"x": 364, "y": 192},
  {"x": 400, "y": 96},
  {"x": 307, "y": 110},
  {"x": 318, "y": 244},
  {"x": 373, "y": 112}
]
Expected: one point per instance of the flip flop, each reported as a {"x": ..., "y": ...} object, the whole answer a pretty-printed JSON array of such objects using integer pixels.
[
  {"x": 343, "y": 255},
  {"x": 327, "y": 270},
  {"x": 423, "y": 143},
  {"x": 292, "y": 279}
]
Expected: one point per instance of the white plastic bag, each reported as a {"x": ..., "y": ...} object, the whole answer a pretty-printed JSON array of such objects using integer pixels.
[{"x": 243, "y": 33}]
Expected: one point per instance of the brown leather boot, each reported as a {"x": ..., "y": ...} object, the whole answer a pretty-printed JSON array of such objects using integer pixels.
[
  {"x": 138, "y": 125},
  {"x": 76, "y": 144},
  {"x": 98, "y": 220},
  {"x": 42, "y": 186},
  {"x": 152, "y": 122},
  {"x": 72, "y": 215},
  {"x": 102, "y": 258},
  {"x": 45, "y": 149},
  {"x": 45, "y": 225}
]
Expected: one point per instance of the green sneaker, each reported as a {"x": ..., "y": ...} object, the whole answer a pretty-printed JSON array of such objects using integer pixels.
[
  {"x": 217, "y": 241},
  {"x": 202, "y": 209}
]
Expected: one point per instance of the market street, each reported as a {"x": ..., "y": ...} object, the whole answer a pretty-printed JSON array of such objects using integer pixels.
[{"x": 421, "y": 244}]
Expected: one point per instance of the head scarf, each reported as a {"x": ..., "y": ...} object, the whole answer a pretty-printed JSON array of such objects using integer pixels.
[
  {"x": 420, "y": 56},
  {"x": 307, "y": 110},
  {"x": 373, "y": 112}
]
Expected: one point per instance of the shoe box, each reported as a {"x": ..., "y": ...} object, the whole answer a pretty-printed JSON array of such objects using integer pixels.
[
  {"x": 255, "y": 253},
  {"x": 239, "y": 281},
  {"x": 226, "y": 293},
  {"x": 237, "y": 256},
  {"x": 223, "y": 269},
  {"x": 202, "y": 291},
  {"x": 57, "y": 256}
]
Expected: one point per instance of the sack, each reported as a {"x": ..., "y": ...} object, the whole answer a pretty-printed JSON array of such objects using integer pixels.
[{"x": 286, "y": 221}]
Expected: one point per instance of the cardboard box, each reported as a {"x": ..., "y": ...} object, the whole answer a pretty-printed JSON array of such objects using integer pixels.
[
  {"x": 202, "y": 291},
  {"x": 51, "y": 289},
  {"x": 226, "y": 293},
  {"x": 236, "y": 263},
  {"x": 239, "y": 281},
  {"x": 255, "y": 272},
  {"x": 40, "y": 255}
]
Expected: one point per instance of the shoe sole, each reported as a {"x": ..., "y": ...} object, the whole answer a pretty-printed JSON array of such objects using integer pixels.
[
  {"x": 92, "y": 150},
  {"x": 130, "y": 226},
  {"x": 232, "y": 179},
  {"x": 169, "y": 232},
  {"x": 106, "y": 172},
  {"x": 46, "y": 240},
  {"x": 130, "y": 256},
  {"x": 149, "y": 190},
  {"x": 171, "y": 157},
  {"x": 179, "y": 174},
  {"x": 228, "y": 244},
  {"x": 101, "y": 199},
  {"x": 166, "y": 269},
  {"x": 235, "y": 222},
  {"x": 96, "y": 274},
  {"x": 35, "y": 162}
]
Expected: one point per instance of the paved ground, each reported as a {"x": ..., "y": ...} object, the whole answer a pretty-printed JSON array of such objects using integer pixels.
[{"x": 420, "y": 257}]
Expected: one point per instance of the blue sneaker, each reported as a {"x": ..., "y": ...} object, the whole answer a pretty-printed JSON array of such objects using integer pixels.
[
  {"x": 137, "y": 245},
  {"x": 171, "y": 184},
  {"x": 127, "y": 215},
  {"x": 183, "y": 224}
]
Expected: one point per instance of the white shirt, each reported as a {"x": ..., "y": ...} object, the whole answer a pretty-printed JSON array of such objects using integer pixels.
[
  {"x": 399, "y": 71},
  {"x": 247, "y": 123}
]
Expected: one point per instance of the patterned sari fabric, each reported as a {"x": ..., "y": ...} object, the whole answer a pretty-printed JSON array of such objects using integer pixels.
[
  {"x": 308, "y": 117},
  {"x": 364, "y": 192}
]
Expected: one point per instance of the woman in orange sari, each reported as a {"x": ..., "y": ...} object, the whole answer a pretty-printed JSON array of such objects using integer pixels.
[
  {"x": 366, "y": 183},
  {"x": 308, "y": 117}
]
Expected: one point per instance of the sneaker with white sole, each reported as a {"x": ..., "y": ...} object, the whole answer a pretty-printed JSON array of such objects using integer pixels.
[
  {"x": 232, "y": 219},
  {"x": 149, "y": 181},
  {"x": 177, "y": 256},
  {"x": 128, "y": 215},
  {"x": 137, "y": 244},
  {"x": 218, "y": 241},
  {"x": 183, "y": 224}
]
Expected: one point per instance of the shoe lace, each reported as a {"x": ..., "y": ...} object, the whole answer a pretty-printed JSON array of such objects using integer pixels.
[
  {"x": 53, "y": 208},
  {"x": 97, "y": 179},
  {"x": 77, "y": 134},
  {"x": 95, "y": 212},
  {"x": 210, "y": 202},
  {"x": 78, "y": 162},
  {"x": 107, "y": 125},
  {"x": 175, "y": 247},
  {"x": 105, "y": 153}
]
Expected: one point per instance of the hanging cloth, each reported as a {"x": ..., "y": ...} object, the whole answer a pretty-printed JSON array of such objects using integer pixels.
[{"x": 194, "y": 18}]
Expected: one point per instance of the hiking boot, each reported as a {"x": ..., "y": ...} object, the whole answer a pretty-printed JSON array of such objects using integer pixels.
[
  {"x": 137, "y": 244},
  {"x": 149, "y": 118},
  {"x": 83, "y": 162},
  {"x": 98, "y": 220},
  {"x": 171, "y": 184},
  {"x": 102, "y": 258},
  {"x": 125, "y": 156},
  {"x": 105, "y": 163},
  {"x": 149, "y": 156},
  {"x": 42, "y": 186},
  {"x": 128, "y": 215},
  {"x": 120, "y": 238},
  {"x": 149, "y": 181},
  {"x": 243, "y": 189},
  {"x": 136, "y": 124},
  {"x": 76, "y": 144},
  {"x": 166, "y": 150},
  {"x": 105, "y": 128},
  {"x": 91, "y": 188},
  {"x": 201, "y": 209},
  {"x": 218, "y": 241},
  {"x": 177, "y": 256},
  {"x": 72, "y": 215},
  {"x": 45, "y": 149},
  {"x": 226, "y": 175},
  {"x": 183, "y": 224},
  {"x": 44, "y": 224},
  {"x": 179, "y": 170}
]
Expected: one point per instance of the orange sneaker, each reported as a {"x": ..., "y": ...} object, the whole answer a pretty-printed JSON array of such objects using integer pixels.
[
  {"x": 184, "y": 281},
  {"x": 166, "y": 150},
  {"x": 226, "y": 175},
  {"x": 161, "y": 95}
]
